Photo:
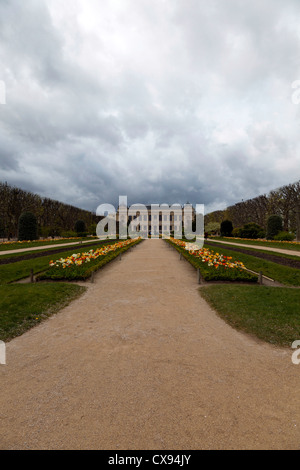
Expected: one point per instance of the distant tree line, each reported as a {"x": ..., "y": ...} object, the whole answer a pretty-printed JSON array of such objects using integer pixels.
[
  {"x": 54, "y": 218},
  {"x": 283, "y": 202}
]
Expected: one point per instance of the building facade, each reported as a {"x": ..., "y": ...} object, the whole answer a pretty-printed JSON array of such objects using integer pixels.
[{"x": 155, "y": 220}]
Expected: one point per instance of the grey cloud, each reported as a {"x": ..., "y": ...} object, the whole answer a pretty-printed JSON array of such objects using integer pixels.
[{"x": 168, "y": 102}]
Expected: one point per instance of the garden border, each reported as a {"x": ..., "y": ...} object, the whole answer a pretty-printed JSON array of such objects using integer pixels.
[{"x": 202, "y": 280}]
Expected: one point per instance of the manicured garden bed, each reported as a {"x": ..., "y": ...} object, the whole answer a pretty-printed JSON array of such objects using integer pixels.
[
  {"x": 286, "y": 275},
  {"x": 214, "y": 266},
  {"x": 15, "y": 257},
  {"x": 283, "y": 259},
  {"x": 21, "y": 269},
  {"x": 80, "y": 266}
]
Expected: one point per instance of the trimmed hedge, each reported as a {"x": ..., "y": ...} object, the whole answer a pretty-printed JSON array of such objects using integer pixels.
[
  {"x": 250, "y": 230},
  {"x": 83, "y": 272},
  {"x": 285, "y": 236},
  {"x": 209, "y": 273}
]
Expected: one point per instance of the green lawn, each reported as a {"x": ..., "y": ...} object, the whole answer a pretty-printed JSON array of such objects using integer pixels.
[
  {"x": 23, "y": 306},
  {"x": 269, "y": 313}
]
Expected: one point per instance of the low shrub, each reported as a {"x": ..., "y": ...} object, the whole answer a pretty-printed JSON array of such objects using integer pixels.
[
  {"x": 236, "y": 232},
  {"x": 285, "y": 236},
  {"x": 251, "y": 230},
  {"x": 69, "y": 234},
  {"x": 82, "y": 234}
]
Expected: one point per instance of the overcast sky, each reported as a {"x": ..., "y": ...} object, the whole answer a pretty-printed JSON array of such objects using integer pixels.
[{"x": 165, "y": 101}]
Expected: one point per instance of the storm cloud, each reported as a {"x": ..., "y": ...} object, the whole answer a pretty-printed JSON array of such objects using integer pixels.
[{"x": 165, "y": 101}]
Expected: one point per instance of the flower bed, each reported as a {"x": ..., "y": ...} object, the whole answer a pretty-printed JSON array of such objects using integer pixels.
[
  {"x": 213, "y": 265},
  {"x": 80, "y": 266}
]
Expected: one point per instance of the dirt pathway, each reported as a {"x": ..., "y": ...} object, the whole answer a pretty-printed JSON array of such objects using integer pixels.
[
  {"x": 258, "y": 247},
  {"x": 141, "y": 362},
  {"x": 44, "y": 247}
]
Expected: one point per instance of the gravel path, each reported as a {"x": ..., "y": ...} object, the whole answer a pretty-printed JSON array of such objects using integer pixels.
[
  {"x": 140, "y": 361},
  {"x": 44, "y": 247},
  {"x": 258, "y": 247}
]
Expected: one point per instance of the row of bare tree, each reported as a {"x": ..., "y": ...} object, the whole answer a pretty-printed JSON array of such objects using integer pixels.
[
  {"x": 50, "y": 213},
  {"x": 284, "y": 201}
]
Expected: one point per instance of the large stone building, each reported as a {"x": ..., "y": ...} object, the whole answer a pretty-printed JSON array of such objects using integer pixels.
[{"x": 155, "y": 219}]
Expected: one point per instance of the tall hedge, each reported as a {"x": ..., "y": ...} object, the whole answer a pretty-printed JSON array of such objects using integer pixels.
[
  {"x": 274, "y": 226},
  {"x": 80, "y": 227},
  {"x": 27, "y": 227},
  {"x": 226, "y": 228}
]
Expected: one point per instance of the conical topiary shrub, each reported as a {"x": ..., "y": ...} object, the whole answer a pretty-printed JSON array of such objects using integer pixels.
[
  {"x": 226, "y": 228},
  {"x": 27, "y": 227},
  {"x": 274, "y": 226},
  {"x": 80, "y": 227}
]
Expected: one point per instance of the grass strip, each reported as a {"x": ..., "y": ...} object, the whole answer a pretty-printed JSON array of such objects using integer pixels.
[
  {"x": 23, "y": 306},
  {"x": 269, "y": 313}
]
